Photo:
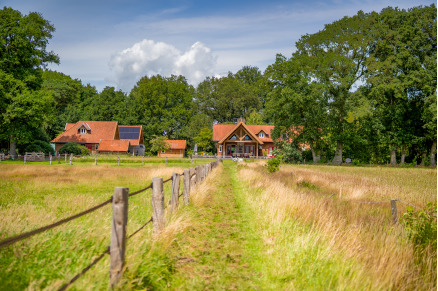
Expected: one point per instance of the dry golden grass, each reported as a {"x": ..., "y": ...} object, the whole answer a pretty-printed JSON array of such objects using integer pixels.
[{"x": 360, "y": 232}]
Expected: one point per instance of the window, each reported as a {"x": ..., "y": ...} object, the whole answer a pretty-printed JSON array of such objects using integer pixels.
[
  {"x": 234, "y": 137},
  {"x": 262, "y": 135},
  {"x": 96, "y": 147},
  {"x": 220, "y": 148},
  {"x": 247, "y": 137},
  {"x": 82, "y": 130}
]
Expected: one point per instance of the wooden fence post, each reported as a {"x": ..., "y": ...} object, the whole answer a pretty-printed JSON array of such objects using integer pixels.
[
  {"x": 66, "y": 158},
  {"x": 174, "y": 201},
  {"x": 198, "y": 174},
  {"x": 50, "y": 157},
  {"x": 95, "y": 160},
  {"x": 71, "y": 156},
  {"x": 118, "y": 233},
  {"x": 192, "y": 179},
  {"x": 186, "y": 187},
  {"x": 157, "y": 205},
  {"x": 24, "y": 159},
  {"x": 143, "y": 160},
  {"x": 118, "y": 161},
  {"x": 394, "y": 210}
]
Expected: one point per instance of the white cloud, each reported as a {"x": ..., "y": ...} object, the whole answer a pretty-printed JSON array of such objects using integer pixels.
[{"x": 151, "y": 58}]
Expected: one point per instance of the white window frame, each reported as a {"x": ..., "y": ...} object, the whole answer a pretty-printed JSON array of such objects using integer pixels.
[
  {"x": 82, "y": 130},
  {"x": 220, "y": 148},
  {"x": 262, "y": 135}
]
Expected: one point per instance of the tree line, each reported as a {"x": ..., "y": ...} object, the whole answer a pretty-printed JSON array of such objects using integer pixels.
[{"x": 364, "y": 88}]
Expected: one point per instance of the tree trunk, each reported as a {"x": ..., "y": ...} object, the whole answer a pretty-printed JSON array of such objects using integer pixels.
[
  {"x": 432, "y": 154},
  {"x": 423, "y": 159},
  {"x": 316, "y": 157},
  {"x": 403, "y": 155},
  {"x": 338, "y": 156},
  {"x": 393, "y": 157},
  {"x": 13, "y": 147}
]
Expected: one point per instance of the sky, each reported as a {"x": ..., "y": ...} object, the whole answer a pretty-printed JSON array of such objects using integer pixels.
[{"x": 116, "y": 42}]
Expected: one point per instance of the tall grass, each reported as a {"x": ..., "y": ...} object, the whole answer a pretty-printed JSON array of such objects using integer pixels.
[
  {"x": 324, "y": 201},
  {"x": 32, "y": 196}
]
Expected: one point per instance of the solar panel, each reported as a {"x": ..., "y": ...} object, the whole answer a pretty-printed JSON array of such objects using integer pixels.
[{"x": 129, "y": 132}]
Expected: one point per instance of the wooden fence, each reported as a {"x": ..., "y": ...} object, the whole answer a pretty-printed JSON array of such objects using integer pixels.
[{"x": 117, "y": 248}]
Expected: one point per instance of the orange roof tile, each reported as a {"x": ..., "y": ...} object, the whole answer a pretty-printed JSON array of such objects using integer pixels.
[
  {"x": 118, "y": 145},
  {"x": 100, "y": 130},
  {"x": 177, "y": 144}
]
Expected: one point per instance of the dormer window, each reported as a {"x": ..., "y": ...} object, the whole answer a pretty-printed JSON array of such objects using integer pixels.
[
  {"x": 82, "y": 130},
  {"x": 261, "y": 134}
]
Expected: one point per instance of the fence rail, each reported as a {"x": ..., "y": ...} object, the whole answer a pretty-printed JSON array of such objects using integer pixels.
[{"x": 117, "y": 248}]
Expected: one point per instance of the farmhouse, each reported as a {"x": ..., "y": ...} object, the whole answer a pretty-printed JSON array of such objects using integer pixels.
[
  {"x": 176, "y": 149},
  {"x": 243, "y": 140},
  {"x": 103, "y": 136}
]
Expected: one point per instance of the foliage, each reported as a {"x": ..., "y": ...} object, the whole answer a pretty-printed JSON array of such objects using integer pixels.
[
  {"x": 227, "y": 98},
  {"x": 74, "y": 148},
  {"x": 162, "y": 105},
  {"x": 40, "y": 146},
  {"x": 289, "y": 152},
  {"x": 273, "y": 165},
  {"x": 159, "y": 144},
  {"x": 204, "y": 140},
  {"x": 421, "y": 226}
]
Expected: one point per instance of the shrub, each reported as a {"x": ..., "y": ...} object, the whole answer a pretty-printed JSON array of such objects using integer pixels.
[
  {"x": 421, "y": 226},
  {"x": 273, "y": 164},
  {"x": 40, "y": 146},
  {"x": 74, "y": 148}
]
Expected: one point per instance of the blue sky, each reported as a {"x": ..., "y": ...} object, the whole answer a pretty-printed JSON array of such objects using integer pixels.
[{"x": 115, "y": 43}]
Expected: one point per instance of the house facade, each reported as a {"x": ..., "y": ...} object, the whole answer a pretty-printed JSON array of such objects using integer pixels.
[
  {"x": 243, "y": 140},
  {"x": 103, "y": 137},
  {"x": 176, "y": 149}
]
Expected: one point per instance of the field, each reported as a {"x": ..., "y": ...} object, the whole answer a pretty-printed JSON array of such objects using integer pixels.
[{"x": 300, "y": 228}]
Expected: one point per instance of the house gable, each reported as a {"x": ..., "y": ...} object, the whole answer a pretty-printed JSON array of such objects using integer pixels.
[{"x": 240, "y": 132}]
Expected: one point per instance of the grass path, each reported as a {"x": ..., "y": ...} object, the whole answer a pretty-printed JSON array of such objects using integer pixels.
[{"x": 212, "y": 255}]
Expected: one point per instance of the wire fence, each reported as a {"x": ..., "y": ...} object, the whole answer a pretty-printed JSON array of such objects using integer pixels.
[{"x": 192, "y": 178}]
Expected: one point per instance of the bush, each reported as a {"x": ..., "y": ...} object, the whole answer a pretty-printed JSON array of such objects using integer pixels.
[
  {"x": 422, "y": 226},
  {"x": 273, "y": 164},
  {"x": 40, "y": 146},
  {"x": 74, "y": 148}
]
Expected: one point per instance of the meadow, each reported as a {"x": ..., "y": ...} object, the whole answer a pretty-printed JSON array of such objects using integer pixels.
[
  {"x": 302, "y": 228},
  {"x": 358, "y": 241}
]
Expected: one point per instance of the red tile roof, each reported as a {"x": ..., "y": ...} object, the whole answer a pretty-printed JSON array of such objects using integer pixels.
[
  {"x": 118, "y": 145},
  {"x": 222, "y": 130},
  {"x": 177, "y": 144},
  {"x": 100, "y": 130}
]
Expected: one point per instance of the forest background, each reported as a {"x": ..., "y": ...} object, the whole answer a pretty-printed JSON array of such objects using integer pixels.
[{"x": 364, "y": 87}]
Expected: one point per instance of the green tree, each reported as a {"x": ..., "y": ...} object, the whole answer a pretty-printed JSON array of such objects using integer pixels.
[
  {"x": 194, "y": 126},
  {"x": 204, "y": 140},
  {"x": 164, "y": 106},
  {"x": 109, "y": 105},
  {"x": 159, "y": 144},
  {"x": 23, "y": 54},
  {"x": 402, "y": 73},
  {"x": 227, "y": 98},
  {"x": 335, "y": 58},
  {"x": 297, "y": 105}
]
